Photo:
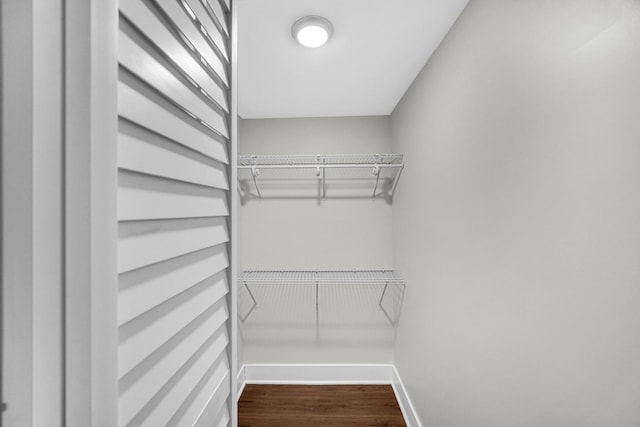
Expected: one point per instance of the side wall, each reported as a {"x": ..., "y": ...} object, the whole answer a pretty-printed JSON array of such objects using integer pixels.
[
  {"x": 516, "y": 224},
  {"x": 308, "y": 234}
]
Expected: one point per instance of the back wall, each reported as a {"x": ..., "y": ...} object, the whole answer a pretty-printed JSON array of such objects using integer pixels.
[{"x": 299, "y": 231}]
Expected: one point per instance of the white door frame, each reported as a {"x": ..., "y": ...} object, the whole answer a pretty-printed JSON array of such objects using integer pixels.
[
  {"x": 90, "y": 212},
  {"x": 32, "y": 212},
  {"x": 58, "y": 212}
]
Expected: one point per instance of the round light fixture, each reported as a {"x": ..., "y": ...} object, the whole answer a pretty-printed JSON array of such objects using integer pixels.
[{"x": 312, "y": 31}]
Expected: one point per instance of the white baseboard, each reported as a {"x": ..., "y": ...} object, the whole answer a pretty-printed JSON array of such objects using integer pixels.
[
  {"x": 409, "y": 413},
  {"x": 318, "y": 374},
  {"x": 330, "y": 374}
]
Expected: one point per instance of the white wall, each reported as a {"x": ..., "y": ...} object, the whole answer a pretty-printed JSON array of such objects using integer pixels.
[
  {"x": 307, "y": 233},
  {"x": 516, "y": 224}
]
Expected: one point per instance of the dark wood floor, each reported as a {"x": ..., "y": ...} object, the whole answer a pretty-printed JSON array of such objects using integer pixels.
[{"x": 318, "y": 405}]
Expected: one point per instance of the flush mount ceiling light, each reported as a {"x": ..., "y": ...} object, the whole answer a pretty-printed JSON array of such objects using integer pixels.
[{"x": 312, "y": 31}]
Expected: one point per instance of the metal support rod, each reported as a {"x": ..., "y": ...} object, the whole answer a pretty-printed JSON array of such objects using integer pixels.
[
  {"x": 376, "y": 172},
  {"x": 384, "y": 291},
  {"x": 317, "y": 315},
  {"x": 324, "y": 184},
  {"x": 255, "y": 303},
  {"x": 393, "y": 323},
  {"x": 386, "y": 285},
  {"x": 254, "y": 173}
]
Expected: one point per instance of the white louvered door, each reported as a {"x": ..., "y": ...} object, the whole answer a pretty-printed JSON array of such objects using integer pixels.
[{"x": 174, "y": 359}]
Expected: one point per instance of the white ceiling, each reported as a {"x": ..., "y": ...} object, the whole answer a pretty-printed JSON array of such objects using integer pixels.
[{"x": 378, "y": 48}]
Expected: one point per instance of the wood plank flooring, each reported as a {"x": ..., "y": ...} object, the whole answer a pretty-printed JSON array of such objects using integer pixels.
[{"x": 263, "y": 405}]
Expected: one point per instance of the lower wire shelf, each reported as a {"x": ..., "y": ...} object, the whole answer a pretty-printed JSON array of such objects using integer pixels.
[{"x": 384, "y": 280}]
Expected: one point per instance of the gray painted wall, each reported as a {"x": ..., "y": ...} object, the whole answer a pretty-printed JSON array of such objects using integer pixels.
[
  {"x": 516, "y": 221},
  {"x": 306, "y": 233},
  {"x": 300, "y": 233}
]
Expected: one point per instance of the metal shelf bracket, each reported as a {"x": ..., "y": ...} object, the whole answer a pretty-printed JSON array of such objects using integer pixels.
[{"x": 254, "y": 302}]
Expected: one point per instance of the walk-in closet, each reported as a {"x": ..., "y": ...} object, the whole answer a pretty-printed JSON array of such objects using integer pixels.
[
  {"x": 320, "y": 212},
  {"x": 429, "y": 229}
]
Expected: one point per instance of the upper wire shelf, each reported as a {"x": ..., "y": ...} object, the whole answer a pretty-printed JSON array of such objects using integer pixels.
[
  {"x": 320, "y": 159},
  {"x": 347, "y": 175}
]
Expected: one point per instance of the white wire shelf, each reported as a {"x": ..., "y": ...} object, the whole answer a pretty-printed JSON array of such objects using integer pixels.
[
  {"x": 379, "y": 173},
  {"x": 321, "y": 277},
  {"x": 343, "y": 160},
  {"x": 382, "y": 279}
]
